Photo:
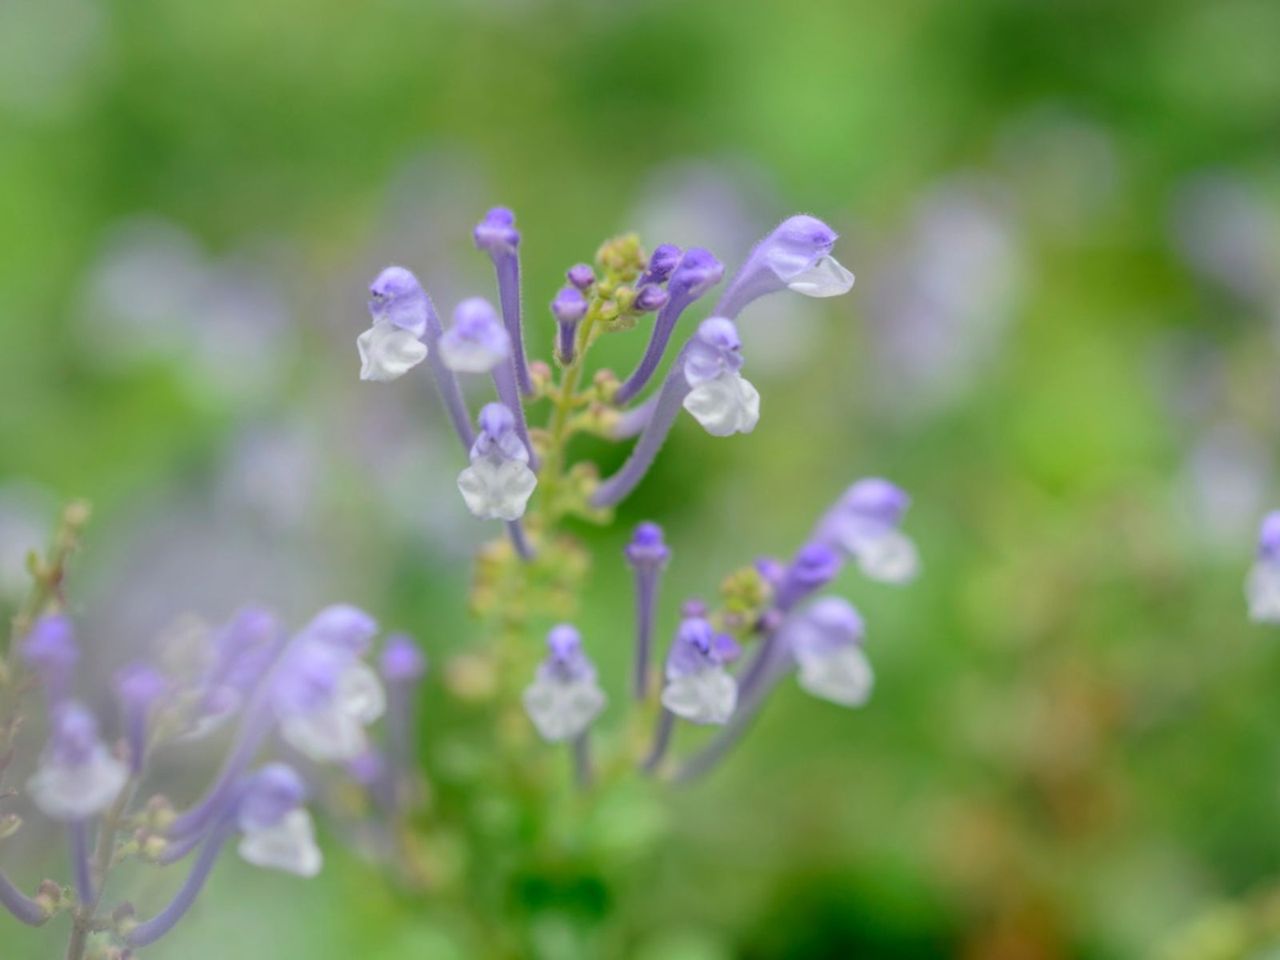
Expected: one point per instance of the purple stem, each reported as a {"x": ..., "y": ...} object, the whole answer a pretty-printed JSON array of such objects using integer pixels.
[
  {"x": 568, "y": 333},
  {"x": 647, "y": 578},
  {"x": 674, "y": 389},
  {"x": 518, "y": 540},
  {"x": 507, "y": 264},
  {"x": 23, "y": 908},
  {"x": 148, "y": 933},
  {"x": 78, "y": 831},
  {"x": 446, "y": 380},
  {"x": 661, "y": 741},
  {"x": 663, "y": 324},
  {"x": 632, "y": 421}
]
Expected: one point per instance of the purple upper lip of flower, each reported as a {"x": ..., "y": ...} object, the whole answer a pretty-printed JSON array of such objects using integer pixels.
[{"x": 497, "y": 232}]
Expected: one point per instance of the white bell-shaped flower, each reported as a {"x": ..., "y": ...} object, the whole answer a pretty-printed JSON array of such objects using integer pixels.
[
  {"x": 388, "y": 352},
  {"x": 889, "y": 556},
  {"x": 842, "y": 675},
  {"x": 327, "y": 704},
  {"x": 725, "y": 405},
  {"x": 288, "y": 845},
  {"x": 826, "y": 278},
  {"x": 706, "y": 696},
  {"x": 562, "y": 710},
  {"x": 497, "y": 490},
  {"x": 77, "y": 777}
]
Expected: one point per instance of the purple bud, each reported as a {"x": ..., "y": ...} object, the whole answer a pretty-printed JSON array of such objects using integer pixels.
[
  {"x": 569, "y": 306},
  {"x": 497, "y": 232},
  {"x": 74, "y": 736},
  {"x": 881, "y": 501},
  {"x": 581, "y": 276},
  {"x": 693, "y": 608},
  {"x": 647, "y": 548},
  {"x": 566, "y": 662},
  {"x": 650, "y": 298},
  {"x": 477, "y": 341},
  {"x": 1269, "y": 538},
  {"x": 662, "y": 261},
  {"x": 697, "y": 272},
  {"x": 269, "y": 795},
  {"x": 814, "y": 566},
  {"x": 402, "y": 661},
  {"x": 496, "y": 420},
  {"x": 772, "y": 570},
  {"x": 139, "y": 686},
  {"x": 698, "y": 647},
  {"x": 397, "y": 298},
  {"x": 50, "y": 650}
]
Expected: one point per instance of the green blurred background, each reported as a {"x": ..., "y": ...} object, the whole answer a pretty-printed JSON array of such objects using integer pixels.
[{"x": 1065, "y": 221}]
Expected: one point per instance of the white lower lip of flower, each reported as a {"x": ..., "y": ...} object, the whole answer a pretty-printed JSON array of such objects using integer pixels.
[
  {"x": 388, "y": 352},
  {"x": 289, "y": 845},
  {"x": 81, "y": 791},
  {"x": 1262, "y": 590},
  {"x": 561, "y": 711},
  {"x": 724, "y": 406},
  {"x": 497, "y": 491},
  {"x": 889, "y": 557},
  {"x": 842, "y": 675},
  {"x": 708, "y": 696},
  {"x": 826, "y": 278},
  {"x": 465, "y": 357},
  {"x": 335, "y": 731}
]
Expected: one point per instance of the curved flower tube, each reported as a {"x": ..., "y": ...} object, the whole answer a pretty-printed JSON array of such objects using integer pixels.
[{"x": 796, "y": 256}]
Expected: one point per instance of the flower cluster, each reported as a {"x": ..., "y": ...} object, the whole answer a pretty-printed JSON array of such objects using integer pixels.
[
  {"x": 720, "y": 664},
  {"x": 312, "y": 690}
]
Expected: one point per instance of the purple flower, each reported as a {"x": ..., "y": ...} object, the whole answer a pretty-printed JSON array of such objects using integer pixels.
[
  {"x": 815, "y": 565},
  {"x": 139, "y": 687},
  {"x": 698, "y": 687},
  {"x": 826, "y": 641},
  {"x": 324, "y": 697},
  {"x": 50, "y": 651},
  {"x": 393, "y": 345},
  {"x": 477, "y": 342},
  {"x": 663, "y": 260},
  {"x": 277, "y": 831},
  {"x": 499, "y": 482},
  {"x": 796, "y": 256},
  {"x": 77, "y": 776},
  {"x": 497, "y": 235},
  {"x": 649, "y": 298},
  {"x": 402, "y": 661},
  {"x": 1262, "y": 589},
  {"x": 564, "y": 697},
  {"x": 864, "y": 524},
  {"x": 720, "y": 398}
]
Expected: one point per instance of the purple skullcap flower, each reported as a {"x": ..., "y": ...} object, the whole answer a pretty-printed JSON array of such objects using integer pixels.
[
  {"x": 278, "y": 832},
  {"x": 581, "y": 276},
  {"x": 796, "y": 256},
  {"x": 647, "y": 548},
  {"x": 826, "y": 641},
  {"x": 650, "y": 297},
  {"x": 1262, "y": 588},
  {"x": 499, "y": 482},
  {"x": 497, "y": 232},
  {"x": 864, "y": 524},
  {"x": 564, "y": 697},
  {"x": 663, "y": 260},
  {"x": 77, "y": 776},
  {"x": 815, "y": 565},
  {"x": 720, "y": 398},
  {"x": 402, "y": 661},
  {"x": 698, "y": 687},
  {"x": 696, "y": 273},
  {"x": 393, "y": 345},
  {"x": 324, "y": 697},
  {"x": 50, "y": 651},
  {"x": 477, "y": 342}
]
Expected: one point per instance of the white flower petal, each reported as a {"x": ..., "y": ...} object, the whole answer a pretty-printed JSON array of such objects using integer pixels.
[
  {"x": 889, "y": 557},
  {"x": 726, "y": 405},
  {"x": 827, "y": 278},
  {"x": 842, "y": 675},
  {"x": 561, "y": 711},
  {"x": 468, "y": 356},
  {"x": 388, "y": 352},
  {"x": 708, "y": 696},
  {"x": 1262, "y": 590},
  {"x": 289, "y": 845},
  {"x": 327, "y": 734},
  {"x": 360, "y": 694},
  {"x": 80, "y": 791},
  {"x": 497, "y": 491}
]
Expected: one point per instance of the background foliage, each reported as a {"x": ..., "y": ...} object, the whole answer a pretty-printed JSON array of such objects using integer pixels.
[{"x": 1065, "y": 219}]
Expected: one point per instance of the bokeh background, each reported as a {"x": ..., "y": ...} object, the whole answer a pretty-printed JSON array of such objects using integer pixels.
[{"x": 1065, "y": 221}]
